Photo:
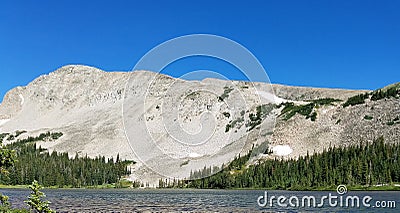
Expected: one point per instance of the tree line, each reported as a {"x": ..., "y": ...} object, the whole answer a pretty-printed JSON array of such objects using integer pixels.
[
  {"x": 57, "y": 169},
  {"x": 392, "y": 92},
  {"x": 357, "y": 165}
]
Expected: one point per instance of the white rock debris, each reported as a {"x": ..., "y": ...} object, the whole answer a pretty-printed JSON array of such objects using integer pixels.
[{"x": 282, "y": 150}]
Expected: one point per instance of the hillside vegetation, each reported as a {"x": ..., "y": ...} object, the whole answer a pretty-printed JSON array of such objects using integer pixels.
[
  {"x": 363, "y": 165},
  {"x": 57, "y": 169}
]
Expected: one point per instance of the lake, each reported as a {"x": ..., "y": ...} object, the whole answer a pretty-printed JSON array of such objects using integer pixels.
[{"x": 188, "y": 200}]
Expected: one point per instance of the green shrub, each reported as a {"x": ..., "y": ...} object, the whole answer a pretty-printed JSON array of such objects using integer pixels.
[
  {"x": 2, "y": 136},
  {"x": 226, "y": 114},
  {"x": 306, "y": 110},
  {"x": 390, "y": 123},
  {"x": 228, "y": 127},
  {"x": 56, "y": 135},
  {"x": 325, "y": 101},
  {"x": 355, "y": 100},
  {"x": 313, "y": 116},
  {"x": 123, "y": 183},
  {"x": 368, "y": 117},
  {"x": 225, "y": 95},
  {"x": 396, "y": 120},
  {"x": 381, "y": 94},
  {"x": 35, "y": 199},
  {"x": 11, "y": 137},
  {"x": 261, "y": 112},
  {"x": 185, "y": 163}
]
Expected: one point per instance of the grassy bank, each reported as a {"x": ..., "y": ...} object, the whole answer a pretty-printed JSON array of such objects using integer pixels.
[{"x": 120, "y": 185}]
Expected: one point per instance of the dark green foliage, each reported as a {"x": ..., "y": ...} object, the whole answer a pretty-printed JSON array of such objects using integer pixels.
[
  {"x": 363, "y": 164},
  {"x": 35, "y": 199},
  {"x": 264, "y": 109},
  {"x": 42, "y": 137},
  {"x": 57, "y": 169},
  {"x": 2, "y": 136},
  {"x": 218, "y": 180},
  {"x": 7, "y": 160},
  {"x": 227, "y": 90},
  {"x": 253, "y": 121},
  {"x": 368, "y": 117},
  {"x": 312, "y": 116},
  {"x": 260, "y": 149},
  {"x": 123, "y": 183},
  {"x": 288, "y": 106},
  {"x": 137, "y": 184},
  {"x": 56, "y": 135},
  {"x": 233, "y": 123},
  {"x": 18, "y": 133},
  {"x": 172, "y": 183},
  {"x": 226, "y": 114},
  {"x": 395, "y": 120},
  {"x": 381, "y": 94},
  {"x": 185, "y": 163},
  {"x": 355, "y": 100},
  {"x": 256, "y": 119},
  {"x": 11, "y": 136},
  {"x": 222, "y": 179},
  {"x": 307, "y": 110},
  {"x": 324, "y": 101},
  {"x": 4, "y": 200},
  {"x": 192, "y": 95},
  {"x": 374, "y": 96},
  {"x": 228, "y": 127},
  {"x": 49, "y": 136},
  {"x": 289, "y": 110},
  {"x": 8, "y": 209}
]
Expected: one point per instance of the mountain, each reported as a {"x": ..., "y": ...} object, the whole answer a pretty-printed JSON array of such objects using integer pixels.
[{"x": 171, "y": 126}]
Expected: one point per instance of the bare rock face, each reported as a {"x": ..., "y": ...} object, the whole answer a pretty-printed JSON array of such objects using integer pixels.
[
  {"x": 88, "y": 106},
  {"x": 82, "y": 102}
]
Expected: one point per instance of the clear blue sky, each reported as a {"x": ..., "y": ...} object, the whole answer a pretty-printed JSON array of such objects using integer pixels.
[{"x": 344, "y": 44}]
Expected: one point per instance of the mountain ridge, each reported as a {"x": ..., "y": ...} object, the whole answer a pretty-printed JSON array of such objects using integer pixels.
[{"x": 86, "y": 104}]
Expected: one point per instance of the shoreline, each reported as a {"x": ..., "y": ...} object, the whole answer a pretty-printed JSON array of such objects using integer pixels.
[{"x": 394, "y": 187}]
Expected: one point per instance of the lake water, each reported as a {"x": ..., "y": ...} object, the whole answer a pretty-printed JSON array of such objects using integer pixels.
[{"x": 187, "y": 200}]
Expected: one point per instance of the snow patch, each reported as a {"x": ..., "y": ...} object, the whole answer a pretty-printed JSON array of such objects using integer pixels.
[
  {"x": 194, "y": 155},
  {"x": 271, "y": 97},
  {"x": 3, "y": 121},
  {"x": 282, "y": 150},
  {"x": 22, "y": 99}
]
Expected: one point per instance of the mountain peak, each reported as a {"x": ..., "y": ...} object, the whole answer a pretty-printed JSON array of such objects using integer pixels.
[
  {"x": 86, "y": 105},
  {"x": 76, "y": 68}
]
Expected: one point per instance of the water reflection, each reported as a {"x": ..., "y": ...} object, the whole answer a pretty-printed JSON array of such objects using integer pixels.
[{"x": 126, "y": 200}]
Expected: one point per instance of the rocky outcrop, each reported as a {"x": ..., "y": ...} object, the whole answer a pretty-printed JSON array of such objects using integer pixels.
[{"x": 90, "y": 107}]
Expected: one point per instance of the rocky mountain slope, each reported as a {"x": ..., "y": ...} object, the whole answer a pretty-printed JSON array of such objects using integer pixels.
[{"x": 171, "y": 126}]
